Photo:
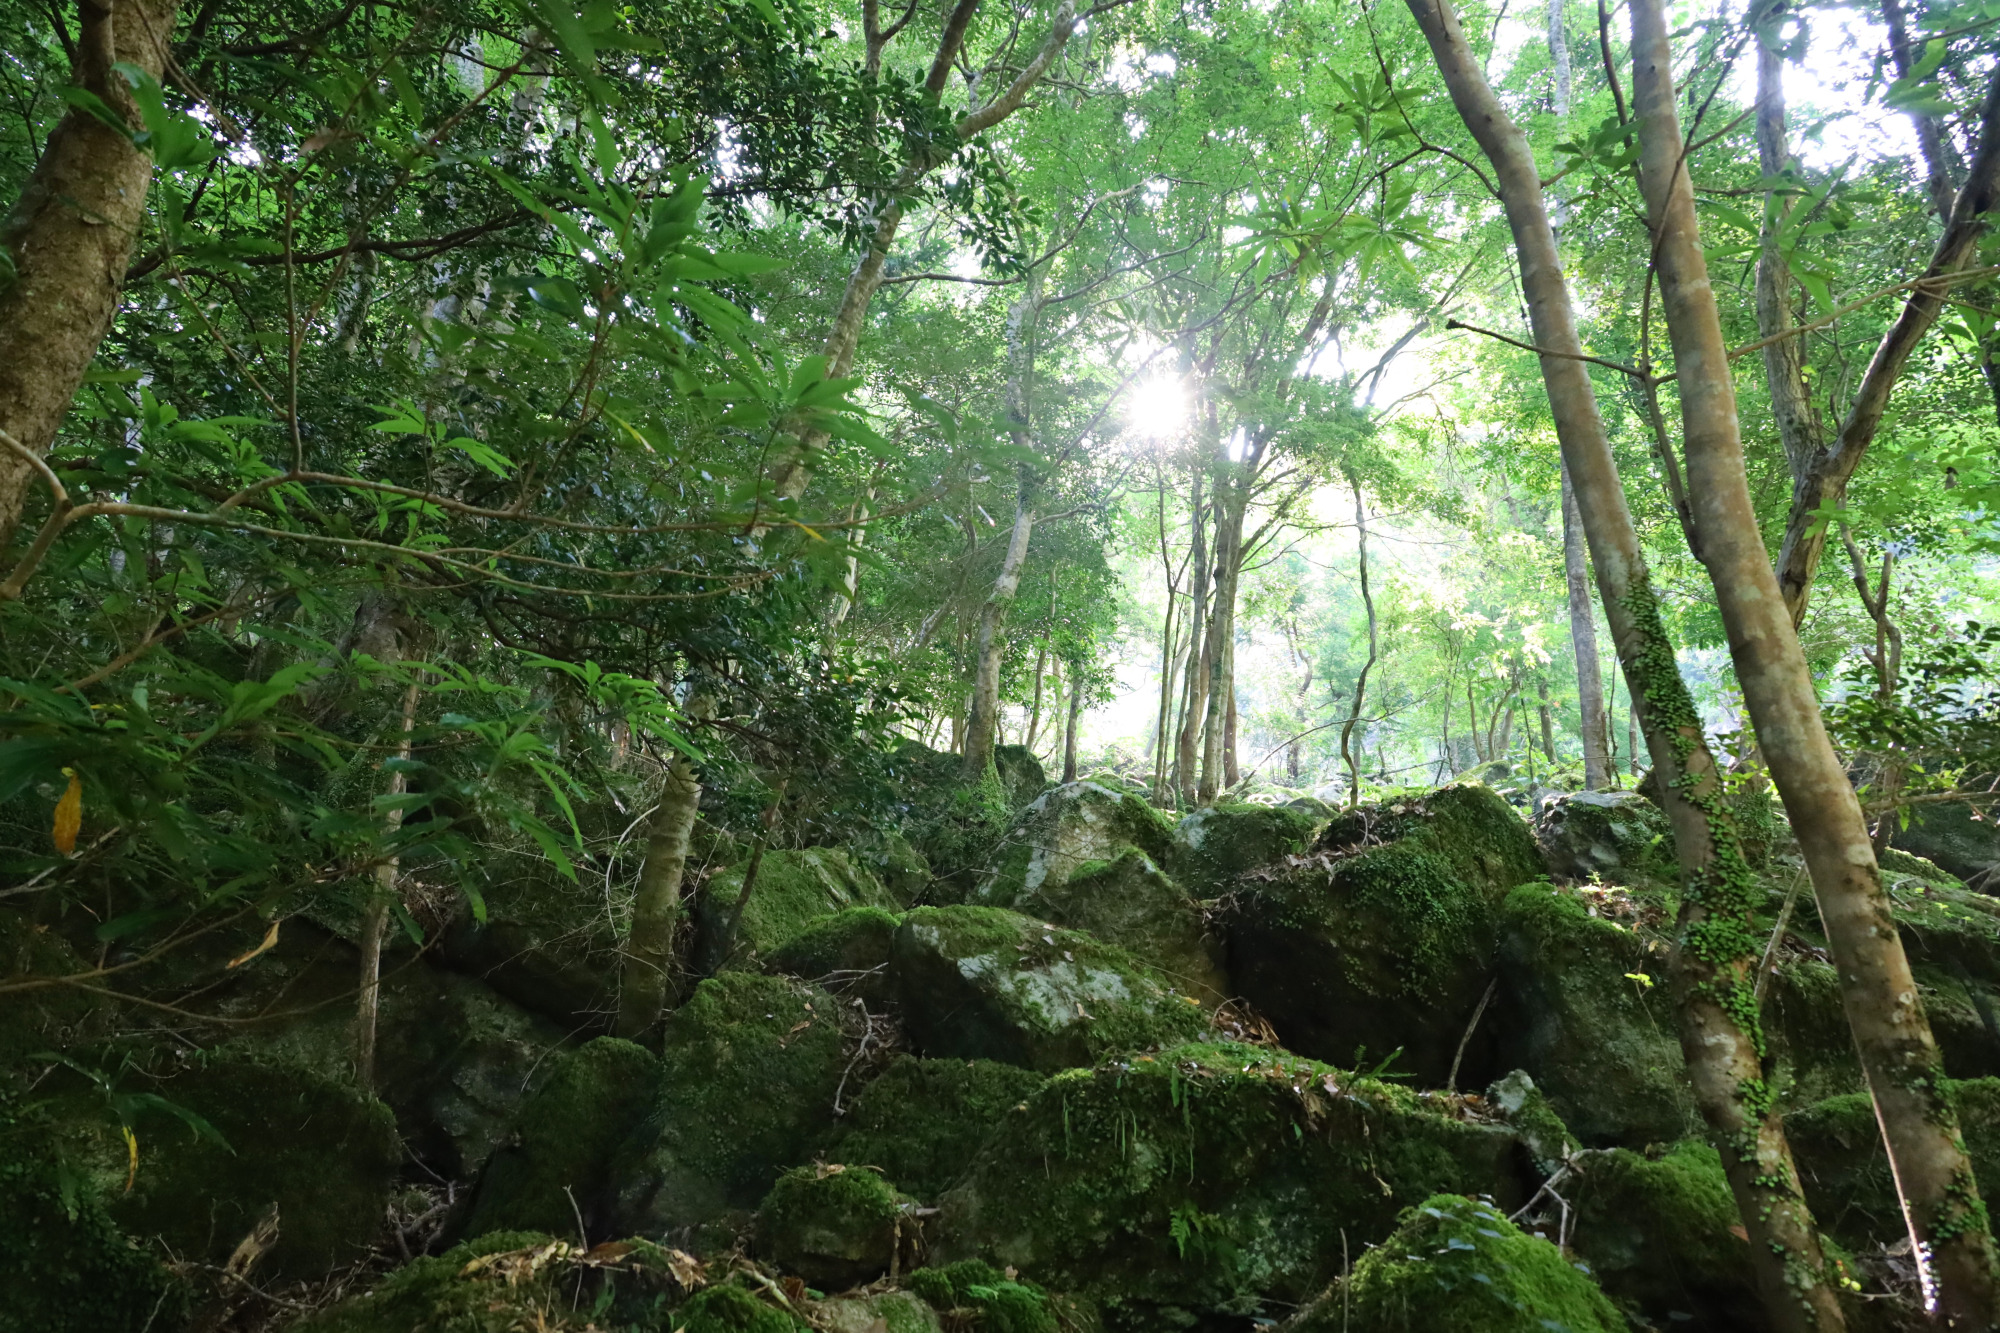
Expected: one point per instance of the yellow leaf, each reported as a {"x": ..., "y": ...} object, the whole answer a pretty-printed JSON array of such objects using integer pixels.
[
  {"x": 69, "y": 813},
  {"x": 270, "y": 938},
  {"x": 132, "y": 1155}
]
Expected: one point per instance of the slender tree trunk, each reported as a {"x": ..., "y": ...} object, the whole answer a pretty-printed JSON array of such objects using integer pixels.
[
  {"x": 1884, "y": 1008},
  {"x": 1163, "y": 723},
  {"x": 1931, "y": 139},
  {"x": 1479, "y": 754},
  {"x": 1824, "y": 484},
  {"x": 1583, "y": 642},
  {"x": 1035, "y": 706},
  {"x": 1347, "y": 751},
  {"x": 1713, "y": 964},
  {"x": 1231, "y": 771},
  {"x": 1548, "y": 719},
  {"x": 1887, "y": 660},
  {"x": 69, "y": 237},
  {"x": 1221, "y": 629},
  {"x": 375, "y": 920},
  {"x": 1187, "y": 758},
  {"x": 1075, "y": 713},
  {"x": 646, "y": 974}
]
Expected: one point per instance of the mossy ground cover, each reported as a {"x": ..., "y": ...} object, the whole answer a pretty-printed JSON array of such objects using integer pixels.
[
  {"x": 836, "y": 1226},
  {"x": 981, "y": 983},
  {"x": 843, "y": 948},
  {"x": 793, "y": 891},
  {"x": 1206, "y": 1179},
  {"x": 1456, "y": 1265},
  {"x": 923, "y": 1121}
]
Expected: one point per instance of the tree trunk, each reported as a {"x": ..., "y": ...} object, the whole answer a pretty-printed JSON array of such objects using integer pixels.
[
  {"x": 1824, "y": 483},
  {"x": 1720, "y": 1037},
  {"x": 69, "y": 237},
  {"x": 1035, "y": 705},
  {"x": 1548, "y": 719},
  {"x": 375, "y": 920},
  {"x": 1221, "y": 628},
  {"x": 1186, "y": 758},
  {"x": 1583, "y": 642},
  {"x": 1075, "y": 712},
  {"x": 1887, "y": 661},
  {"x": 1231, "y": 770},
  {"x": 1347, "y": 752},
  {"x": 1884, "y": 1008},
  {"x": 646, "y": 974}
]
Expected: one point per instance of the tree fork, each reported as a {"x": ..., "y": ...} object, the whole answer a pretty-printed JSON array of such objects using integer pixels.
[
  {"x": 1713, "y": 966},
  {"x": 1941, "y": 1201}
]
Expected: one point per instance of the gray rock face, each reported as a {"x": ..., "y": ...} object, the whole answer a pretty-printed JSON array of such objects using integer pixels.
[
  {"x": 1064, "y": 830},
  {"x": 1951, "y": 836},
  {"x": 1618, "y": 836}
]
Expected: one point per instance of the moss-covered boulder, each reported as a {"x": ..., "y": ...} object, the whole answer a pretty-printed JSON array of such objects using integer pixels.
[
  {"x": 65, "y": 1267},
  {"x": 1205, "y": 1180},
  {"x": 1128, "y": 902},
  {"x": 978, "y": 983},
  {"x": 500, "y": 1283},
  {"x": 1582, "y": 1007},
  {"x": 565, "y": 1142},
  {"x": 1837, "y": 1145},
  {"x": 1020, "y": 773},
  {"x": 923, "y": 1121},
  {"x": 954, "y": 824},
  {"x": 1213, "y": 846},
  {"x": 836, "y": 1226},
  {"x": 1068, "y": 828},
  {"x": 1962, "y": 841},
  {"x": 1662, "y": 1234},
  {"x": 1470, "y": 825},
  {"x": 749, "y": 1068},
  {"x": 728, "y": 1308},
  {"x": 885, "y": 1312},
  {"x": 1618, "y": 837},
  {"x": 544, "y": 942},
  {"x": 793, "y": 891},
  {"x": 51, "y": 1019},
  {"x": 1455, "y": 1265},
  {"x": 1528, "y": 1113},
  {"x": 324, "y": 1153},
  {"x": 894, "y": 860},
  {"x": 848, "y": 951}
]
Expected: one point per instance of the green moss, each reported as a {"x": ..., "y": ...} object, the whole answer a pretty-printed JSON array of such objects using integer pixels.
[
  {"x": 846, "y": 944},
  {"x": 1207, "y": 1179},
  {"x": 1066, "y": 829},
  {"x": 1528, "y": 1113},
  {"x": 1838, "y": 1146},
  {"x": 1616, "y": 837},
  {"x": 65, "y": 1267},
  {"x": 1020, "y": 773},
  {"x": 1458, "y": 1266},
  {"x": 437, "y": 1294},
  {"x": 1812, "y": 1046},
  {"x": 730, "y": 1309},
  {"x": 1388, "y": 948},
  {"x": 794, "y": 890},
  {"x": 51, "y": 1019},
  {"x": 954, "y": 824},
  {"x": 891, "y": 858},
  {"x": 566, "y": 1138},
  {"x": 980, "y": 983},
  {"x": 748, "y": 1071},
  {"x": 1128, "y": 902},
  {"x": 1584, "y": 1010},
  {"x": 983, "y": 1292},
  {"x": 1213, "y": 846},
  {"x": 323, "y": 1152},
  {"x": 923, "y": 1121},
  {"x": 1663, "y": 1233},
  {"x": 834, "y": 1226},
  {"x": 1469, "y": 824}
]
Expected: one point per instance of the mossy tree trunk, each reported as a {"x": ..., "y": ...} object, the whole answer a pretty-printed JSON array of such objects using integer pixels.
[
  {"x": 1884, "y": 1009},
  {"x": 69, "y": 239},
  {"x": 1716, "y": 953},
  {"x": 646, "y": 974},
  {"x": 375, "y": 918},
  {"x": 1075, "y": 713}
]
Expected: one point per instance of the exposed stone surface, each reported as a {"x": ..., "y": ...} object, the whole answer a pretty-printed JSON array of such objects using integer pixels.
[
  {"x": 1021, "y": 774},
  {"x": 980, "y": 983},
  {"x": 1953, "y": 838},
  {"x": 1619, "y": 837},
  {"x": 1455, "y": 1265},
  {"x": 1129, "y": 903},
  {"x": 1063, "y": 830},
  {"x": 1205, "y": 1179}
]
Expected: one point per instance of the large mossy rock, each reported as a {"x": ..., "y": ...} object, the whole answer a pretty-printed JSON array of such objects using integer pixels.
[
  {"x": 546, "y": 943},
  {"x": 923, "y": 1121},
  {"x": 973, "y": 1294},
  {"x": 848, "y": 950},
  {"x": 885, "y": 1312},
  {"x": 729, "y": 1308},
  {"x": 1455, "y": 1265},
  {"x": 1203, "y": 1181},
  {"x": 954, "y": 824},
  {"x": 1128, "y": 902},
  {"x": 1582, "y": 1006},
  {"x": 65, "y": 1267},
  {"x": 55, "y": 1017},
  {"x": 1063, "y": 831},
  {"x": 1663, "y": 1235},
  {"x": 1213, "y": 846},
  {"x": 565, "y": 1142},
  {"x": 324, "y": 1153},
  {"x": 793, "y": 892},
  {"x": 1382, "y": 939},
  {"x": 1953, "y": 837},
  {"x": 1837, "y": 1145},
  {"x": 835, "y": 1226},
  {"x": 1020, "y": 773},
  {"x": 978, "y": 983},
  {"x": 749, "y": 1068},
  {"x": 1618, "y": 837}
]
